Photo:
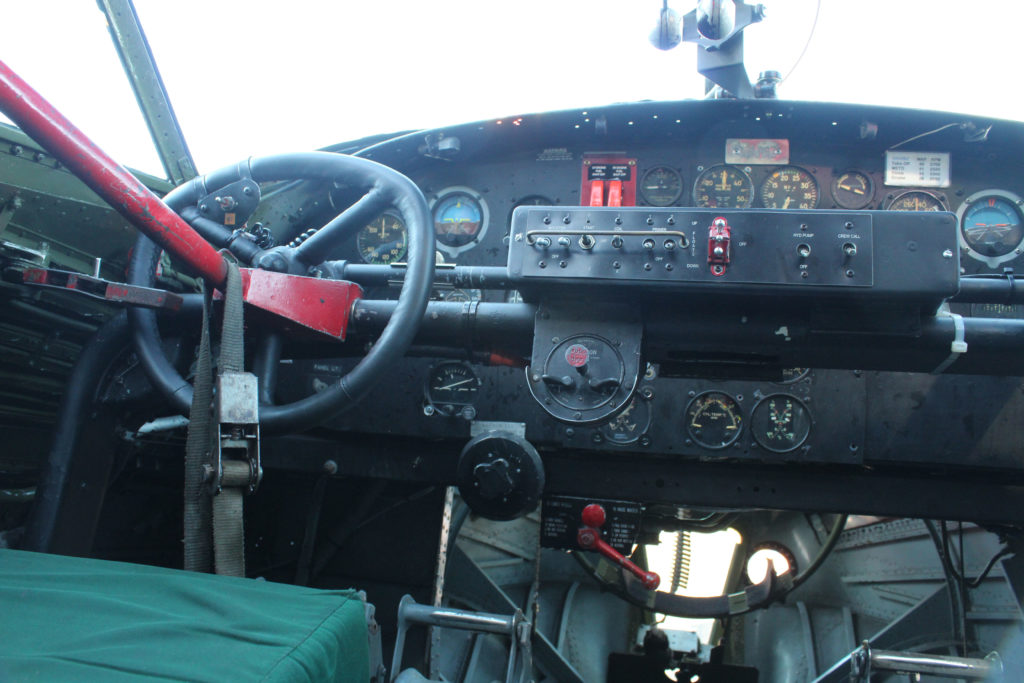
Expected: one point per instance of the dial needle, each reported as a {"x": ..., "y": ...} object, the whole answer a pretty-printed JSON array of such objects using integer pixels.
[{"x": 454, "y": 384}]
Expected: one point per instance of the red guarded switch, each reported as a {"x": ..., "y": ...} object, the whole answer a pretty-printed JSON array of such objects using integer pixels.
[
  {"x": 589, "y": 538},
  {"x": 615, "y": 193},
  {"x": 597, "y": 193},
  {"x": 719, "y": 239}
]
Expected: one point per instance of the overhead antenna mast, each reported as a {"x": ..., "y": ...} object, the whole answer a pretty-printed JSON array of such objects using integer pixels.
[{"x": 717, "y": 26}]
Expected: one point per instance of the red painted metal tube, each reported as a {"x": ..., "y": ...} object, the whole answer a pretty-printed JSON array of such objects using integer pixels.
[{"x": 106, "y": 177}]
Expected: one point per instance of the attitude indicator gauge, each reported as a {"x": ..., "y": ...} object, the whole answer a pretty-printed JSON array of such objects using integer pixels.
[
  {"x": 460, "y": 219},
  {"x": 992, "y": 226}
]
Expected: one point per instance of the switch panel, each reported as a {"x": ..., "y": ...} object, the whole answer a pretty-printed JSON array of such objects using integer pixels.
[{"x": 908, "y": 256}]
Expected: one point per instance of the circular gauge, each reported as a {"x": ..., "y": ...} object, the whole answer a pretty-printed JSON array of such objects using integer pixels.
[
  {"x": 534, "y": 200},
  {"x": 853, "y": 190},
  {"x": 451, "y": 384},
  {"x": 462, "y": 295},
  {"x": 384, "y": 240},
  {"x": 713, "y": 420},
  {"x": 916, "y": 200},
  {"x": 789, "y": 187},
  {"x": 780, "y": 423},
  {"x": 628, "y": 426},
  {"x": 723, "y": 187},
  {"x": 991, "y": 226},
  {"x": 793, "y": 375},
  {"x": 460, "y": 219},
  {"x": 661, "y": 186}
]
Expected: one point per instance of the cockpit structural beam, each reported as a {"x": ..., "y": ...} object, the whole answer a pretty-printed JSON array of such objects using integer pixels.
[{"x": 154, "y": 102}]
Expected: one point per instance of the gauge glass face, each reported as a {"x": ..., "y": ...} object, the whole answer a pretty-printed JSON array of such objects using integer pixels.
[
  {"x": 630, "y": 424},
  {"x": 991, "y": 226},
  {"x": 853, "y": 190},
  {"x": 458, "y": 219},
  {"x": 713, "y": 420},
  {"x": 917, "y": 200},
  {"x": 661, "y": 186},
  {"x": 789, "y": 187},
  {"x": 383, "y": 241},
  {"x": 780, "y": 423},
  {"x": 723, "y": 187},
  {"x": 462, "y": 295},
  {"x": 793, "y": 375},
  {"x": 452, "y": 384}
]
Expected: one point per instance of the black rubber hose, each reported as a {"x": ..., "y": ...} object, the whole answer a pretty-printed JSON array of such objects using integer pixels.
[
  {"x": 394, "y": 339},
  {"x": 74, "y": 412}
]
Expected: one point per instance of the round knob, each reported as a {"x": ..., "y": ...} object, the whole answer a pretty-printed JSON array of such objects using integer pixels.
[{"x": 593, "y": 516}]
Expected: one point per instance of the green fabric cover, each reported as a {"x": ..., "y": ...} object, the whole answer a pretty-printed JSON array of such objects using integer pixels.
[{"x": 72, "y": 619}]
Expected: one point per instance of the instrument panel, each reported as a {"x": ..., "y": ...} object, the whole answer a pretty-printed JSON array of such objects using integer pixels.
[{"x": 794, "y": 156}]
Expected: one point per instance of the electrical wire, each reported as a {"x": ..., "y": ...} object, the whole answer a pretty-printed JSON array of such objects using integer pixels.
[
  {"x": 926, "y": 134},
  {"x": 814, "y": 25},
  {"x": 955, "y": 608}
]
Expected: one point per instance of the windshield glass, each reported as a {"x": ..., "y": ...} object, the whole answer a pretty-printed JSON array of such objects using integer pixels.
[{"x": 260, "y": 78}]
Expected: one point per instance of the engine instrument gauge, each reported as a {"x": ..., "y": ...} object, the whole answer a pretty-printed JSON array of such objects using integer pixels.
[
  {"x": 628, "y": 426},
  {"x": 793, "y": 375},
  {"x": 661, "y": 186},
  {"x": 384, "y": 240},
  {"x": 991, "y": 226},
  {"x": 714, "y": 420},
  {"x": 460, "y": 219},
  {"x": 853, "y": 190},
  {"x": 451, "y": 386},
  {"x": 916, "y": 200},
  {"x": 462, "y": 296},
  {"x": 723, "y": 187},
  {"x": 789, "y": 187},
  {"x": 780, "y": 423}
]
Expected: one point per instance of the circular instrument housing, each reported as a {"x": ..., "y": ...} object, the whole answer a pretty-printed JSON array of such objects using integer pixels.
[
  {"x": 714, "y": 420},
  {"x": 661, "y": 186},
  {"x": 628, "y": 426},
  {"x": 780, "y": 423},
  {"x": 916, "y": 200},
  {"x": 451, "y": 387},
  {"x": 790, "y": 187},
  {"x": 853, "y": 190},
  {"x": 723, "y": 187},
  {"x": 583, "y": 380},
  {"x": 460, "y": 218},
  {"x": 384, "y": 240},
  {"x": 992, "y": 226}
]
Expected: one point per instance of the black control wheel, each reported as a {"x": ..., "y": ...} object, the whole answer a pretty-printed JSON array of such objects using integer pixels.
[{"x": 381, "y": 188}]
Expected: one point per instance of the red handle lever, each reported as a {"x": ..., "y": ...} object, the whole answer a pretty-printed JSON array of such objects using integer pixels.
[{"x": 589, "y": 538}]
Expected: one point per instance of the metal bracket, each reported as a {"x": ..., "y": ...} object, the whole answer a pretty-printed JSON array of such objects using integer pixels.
[
  {"x": 515, "y": 626},
  {"x": 98, "y": 288},
  {"x": 238, "y": 436}
]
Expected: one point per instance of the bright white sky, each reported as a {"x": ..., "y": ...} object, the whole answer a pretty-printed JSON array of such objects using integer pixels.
[{"x": 258, "y": 77}]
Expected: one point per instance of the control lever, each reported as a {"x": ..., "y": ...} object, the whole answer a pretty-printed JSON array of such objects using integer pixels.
[{"x": 589, "y": 538}]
